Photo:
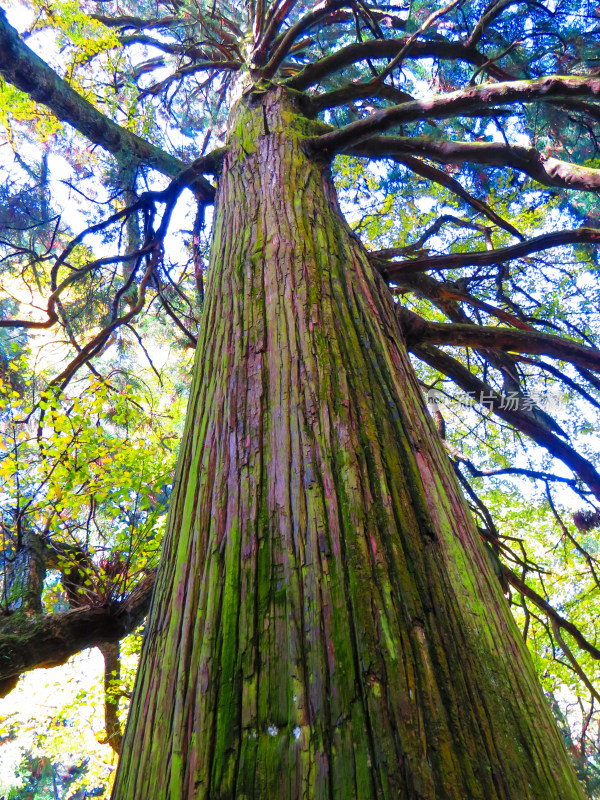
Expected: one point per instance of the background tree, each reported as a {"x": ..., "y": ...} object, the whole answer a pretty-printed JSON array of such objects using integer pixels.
[{"x": 360, "y": 566}]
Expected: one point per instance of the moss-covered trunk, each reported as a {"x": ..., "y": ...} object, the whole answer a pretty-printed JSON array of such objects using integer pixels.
[{"x": 326, "y": 623}]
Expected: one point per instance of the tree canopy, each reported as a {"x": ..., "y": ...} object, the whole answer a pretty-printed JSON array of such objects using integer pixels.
[{"x": 463, "y": 139}]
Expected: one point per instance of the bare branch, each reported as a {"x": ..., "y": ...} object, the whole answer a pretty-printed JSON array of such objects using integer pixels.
[
  {"x": 418, "y": 330},
  {"x": 397, "y": 60},
  {"x": 484, "y": 99},
  {"x": 96, "y": 344},
  {"x": 545, "y": 170}
]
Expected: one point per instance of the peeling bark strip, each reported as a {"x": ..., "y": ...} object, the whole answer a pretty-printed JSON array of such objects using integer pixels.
[{"x": 325, "y": 623}]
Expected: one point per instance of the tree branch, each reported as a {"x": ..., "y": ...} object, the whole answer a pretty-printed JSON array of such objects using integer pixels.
[
  {"x": 577, "y": 669},
  {"x": 21, "y": 67},
  {"x": 112, "y": 677},
  {"x": 550, "y": 612},
  {"x": 389, "y": 48},
  {"x": 500, "y": 471},
  {"x": 418, "y": 330},
  {"x": 447, "y": 295},
  {"x": 483, "y": 258},
  {"x": 137, "y": 23},
  {"x": 492, "y": 11},
  {"x": 545, "y": 170},
  {"x": 437, "y": 176},
  {"x": 354, "y": 91},
  {"x": 47, "y": 640},
  {"x": 520, "y": 419},
  {"x": 484, "y": 99}
]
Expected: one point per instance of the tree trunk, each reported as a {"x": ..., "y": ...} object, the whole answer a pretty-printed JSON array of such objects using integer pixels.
[
  {"x": 326, "y": 623},
  {"x": 112, "y": 694}
]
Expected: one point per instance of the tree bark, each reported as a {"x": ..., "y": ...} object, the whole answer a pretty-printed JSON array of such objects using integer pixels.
[
  {"x": 112, "y": 694},
  {"x": 23, "y": 578},
  {"x": 325, "y": 622}
]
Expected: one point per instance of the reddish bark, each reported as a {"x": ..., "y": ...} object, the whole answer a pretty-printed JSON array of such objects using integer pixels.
[{"x": 326, "y": 623}]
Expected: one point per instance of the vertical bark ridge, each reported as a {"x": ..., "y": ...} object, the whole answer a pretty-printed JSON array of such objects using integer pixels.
[{"x": 325, "y": 624}]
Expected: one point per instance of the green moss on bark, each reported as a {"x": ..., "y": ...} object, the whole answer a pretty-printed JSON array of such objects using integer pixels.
[{"x": 326, "y": 624}]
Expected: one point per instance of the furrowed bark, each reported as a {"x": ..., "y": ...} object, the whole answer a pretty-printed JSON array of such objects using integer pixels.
[{"x": 326, "y": 623}]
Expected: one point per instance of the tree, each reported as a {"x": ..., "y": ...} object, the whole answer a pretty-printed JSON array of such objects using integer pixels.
[{"x": 328, "y": 619}]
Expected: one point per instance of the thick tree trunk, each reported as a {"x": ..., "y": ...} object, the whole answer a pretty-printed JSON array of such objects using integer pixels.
[{"x": 326, "y": 623}]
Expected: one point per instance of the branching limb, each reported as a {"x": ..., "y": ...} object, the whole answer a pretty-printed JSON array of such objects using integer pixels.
[
  {"x": 546, "y": 170},
  {"x": 274, "y": 22},
  {"x": 485, "y": 258},
  {"x": 484, "y": 99},
  {"x": 397, "y": 60},
  {"x": 47, "y": 640},
  {"x": 560, "y": 375},
  {"x": 590, "y": 560},
  {"x": 145, "y": 202},
  {"x": 190, "y": 69},
  {"x": 136, "y": 23},
  {"x": 520, "y": 471},
  {"x": 418, "y": 330}
]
